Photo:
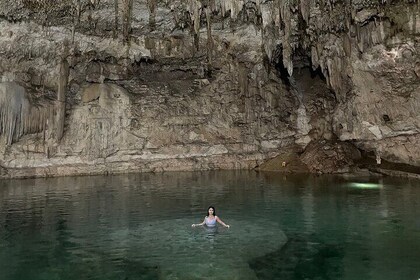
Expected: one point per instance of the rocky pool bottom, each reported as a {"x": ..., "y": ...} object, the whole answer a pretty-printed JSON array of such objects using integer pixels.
[{"x": 138, "y": 226}]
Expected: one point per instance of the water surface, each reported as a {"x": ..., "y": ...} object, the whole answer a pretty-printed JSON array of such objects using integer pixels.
[{"x": 139, "y": 227}]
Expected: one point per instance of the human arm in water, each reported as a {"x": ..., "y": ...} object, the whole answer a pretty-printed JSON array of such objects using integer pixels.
[
  {"x": 200, "y": 224},
  {"x": 221, "y": 222}
]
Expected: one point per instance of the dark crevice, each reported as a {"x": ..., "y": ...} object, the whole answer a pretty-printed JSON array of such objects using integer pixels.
[
  {"x": 368, "y": 161},
  {"x": 317, "y": 73},
  {"x": 145, "y": 61},
  {"x": 386, "y": 118},
  {"x": 282, "y": 72}
]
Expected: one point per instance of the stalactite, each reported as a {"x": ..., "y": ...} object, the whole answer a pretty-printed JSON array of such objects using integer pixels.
[
  {"x": 305, "y": 9},
  {"x": 376, "y": 34},
  {"x": 286, "y": 17},
  {"x": 194, "y": 8},
  {"x": 209, "y": 39},
  {"x": 77, "y": 7},
  {"x": 115, "y": 31},
  {"x": 360, "y": 38},
  {"x": 314, "y": 57},
  {"x": 234, "y": 6},
  {"x": 334, "y": 66},
  {"x": 127, "y": 10},
  {"x": 347, "y": 44},
  {"x": 212, "y": 5},
  {"x": 151, "y": 4},
  {"x": 17, "y": 116},
  {"x": 61, "y": 99},
  {"x": 223, "y": 16},
  {"x": 370, "y": 34},
  {"x": 13, "y": 105}
]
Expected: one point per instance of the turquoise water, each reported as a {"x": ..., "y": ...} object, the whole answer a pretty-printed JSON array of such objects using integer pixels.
[{"x": 139, "y": 227}]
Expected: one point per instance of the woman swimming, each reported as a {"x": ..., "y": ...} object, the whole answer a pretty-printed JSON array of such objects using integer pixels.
[{"x": 211, "y": 219}]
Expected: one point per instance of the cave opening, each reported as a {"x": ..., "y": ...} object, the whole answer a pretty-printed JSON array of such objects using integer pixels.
[{"x": 302, "y": 63}]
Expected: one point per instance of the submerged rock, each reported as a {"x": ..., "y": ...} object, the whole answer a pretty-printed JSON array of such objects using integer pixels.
[{"x": 182, "y": 252}]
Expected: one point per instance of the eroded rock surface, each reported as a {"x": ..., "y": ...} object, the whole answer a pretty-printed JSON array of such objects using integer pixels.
[{"x": 190, "y": 85}]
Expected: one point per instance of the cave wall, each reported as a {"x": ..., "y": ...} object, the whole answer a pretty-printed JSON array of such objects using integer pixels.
[{"x": 192, "y": 85}]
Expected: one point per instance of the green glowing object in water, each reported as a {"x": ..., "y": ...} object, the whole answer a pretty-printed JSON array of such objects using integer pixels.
[{"x": 366, "y": 185}]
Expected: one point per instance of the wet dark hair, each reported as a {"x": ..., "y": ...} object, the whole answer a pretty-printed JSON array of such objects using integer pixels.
[{"x": 214, "y": 211}]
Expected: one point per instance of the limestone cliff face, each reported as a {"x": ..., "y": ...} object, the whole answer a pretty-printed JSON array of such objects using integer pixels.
[{"x": 105, "y": 86}]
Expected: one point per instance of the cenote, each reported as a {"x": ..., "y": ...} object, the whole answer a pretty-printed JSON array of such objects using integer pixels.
[{"x": 139, "y": 227}]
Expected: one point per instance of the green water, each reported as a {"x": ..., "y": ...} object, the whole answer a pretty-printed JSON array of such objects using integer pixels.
[{"x": 139, "y": 227}]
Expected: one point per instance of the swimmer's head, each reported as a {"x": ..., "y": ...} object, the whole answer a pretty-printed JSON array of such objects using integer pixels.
[{"x": 211, "y": 210}]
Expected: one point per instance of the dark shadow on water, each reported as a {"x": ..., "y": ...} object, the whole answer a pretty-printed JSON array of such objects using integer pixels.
[{"x": 299, "y": 259}]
